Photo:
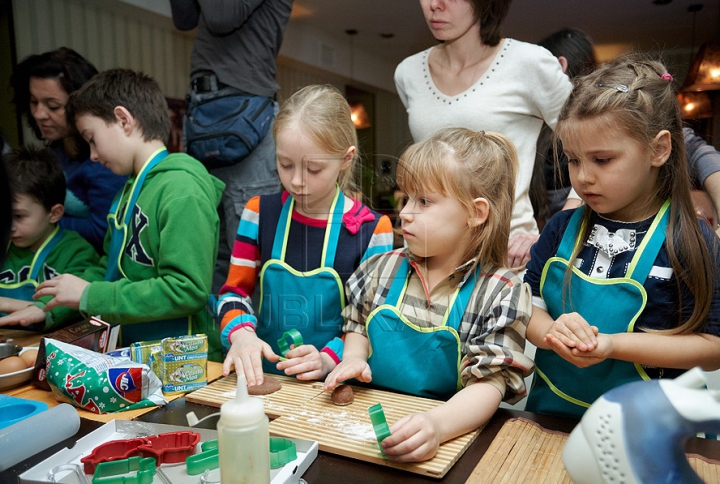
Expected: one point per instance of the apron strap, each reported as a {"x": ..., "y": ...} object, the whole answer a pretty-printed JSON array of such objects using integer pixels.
[
  {"x": 567, "y": 244},
  {"x": 332, "y": 230},
  {"x": 645, "y": 255},
  {"x": 461, "y": 298},
  {"x": 399, "y": 284},
  {"x": 43, "y": 252},
  {"x": 282, "y": 230},
  {"x": 113, "y": 271},
  {"x": 457, "y": 306}
]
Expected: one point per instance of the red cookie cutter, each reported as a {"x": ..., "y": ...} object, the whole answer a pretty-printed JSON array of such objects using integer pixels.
[{"x": 167, "y": 448}]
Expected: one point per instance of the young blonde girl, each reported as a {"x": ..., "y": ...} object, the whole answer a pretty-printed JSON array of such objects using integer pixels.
[
  {"x": 299, "y": 246},
  {"x": 638, "y": 299},
  {"x": 443, "y": 318}
]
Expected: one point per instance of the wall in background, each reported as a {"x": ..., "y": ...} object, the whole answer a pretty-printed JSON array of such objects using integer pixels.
[{"x": 113, "y": 33}]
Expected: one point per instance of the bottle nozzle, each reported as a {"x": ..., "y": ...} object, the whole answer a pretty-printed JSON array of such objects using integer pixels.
[
  {"x": 243, "y": 409},
  {"x": 241, "y": 392}
]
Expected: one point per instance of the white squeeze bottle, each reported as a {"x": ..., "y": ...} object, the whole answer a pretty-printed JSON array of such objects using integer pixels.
[{"x": 243, "y": 439}]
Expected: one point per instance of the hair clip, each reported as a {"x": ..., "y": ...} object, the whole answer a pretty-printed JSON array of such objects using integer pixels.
[
  {"x": 667, "y": 77},
  {"x": 617, "y": 87}
]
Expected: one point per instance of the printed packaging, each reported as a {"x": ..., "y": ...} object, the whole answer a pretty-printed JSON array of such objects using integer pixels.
[
  {"x": 180, "y": 362},
  {"x": 93, "y": 334},
  {"x": 99, "y": 383}
]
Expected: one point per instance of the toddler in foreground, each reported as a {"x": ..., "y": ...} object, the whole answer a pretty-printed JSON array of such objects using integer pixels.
[{"x": 443, "y": 318}]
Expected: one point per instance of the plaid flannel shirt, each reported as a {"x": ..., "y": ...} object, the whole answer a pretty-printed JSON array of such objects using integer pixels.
[{"x": 492, "y": 332}]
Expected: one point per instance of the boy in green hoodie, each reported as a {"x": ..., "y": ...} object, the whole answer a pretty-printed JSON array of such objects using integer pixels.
[{"x": 163, "y": 228}]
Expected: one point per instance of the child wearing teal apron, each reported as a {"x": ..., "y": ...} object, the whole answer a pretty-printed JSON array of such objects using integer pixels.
[
  {"x": 443, "y": 318},
  {"x": 163, "y": 235},
  {"x": 295, "y": 250},
  {"x": 63, "y": 251},
  {"x": 624, "y": 289},
  {"x": 301, "y": 271},
  {"x": 39, "y": 248}
]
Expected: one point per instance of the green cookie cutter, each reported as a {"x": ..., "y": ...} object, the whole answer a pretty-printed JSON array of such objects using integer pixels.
[
  {"x": 282, "y": 451},
  {"x": 379, "y": 423},
  {"x": 108, "y": 472},
  {"x": 208, "y": 459},
  {"x": 296, "y": 338}
]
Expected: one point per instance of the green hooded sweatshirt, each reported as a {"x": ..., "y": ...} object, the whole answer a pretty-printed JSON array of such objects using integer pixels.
[{"x": 168, "y": 259}]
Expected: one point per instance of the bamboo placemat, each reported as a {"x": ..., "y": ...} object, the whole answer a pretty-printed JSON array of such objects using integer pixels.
[
  {"x": 524, "y": 452},
  {"x": 303, "y": 410},
  {"x": 28, "y": 391}
]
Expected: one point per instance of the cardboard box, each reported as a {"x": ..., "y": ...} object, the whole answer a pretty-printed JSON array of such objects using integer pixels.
[
  {"x": 180, "y": 362},
  {"x": 93, "y": 334}
]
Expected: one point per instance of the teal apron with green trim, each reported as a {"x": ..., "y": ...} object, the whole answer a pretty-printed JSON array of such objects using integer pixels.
[
  {"x": 310, "y": 302},
  {"x": 613, "y": 305},
  {"x": 25, "y": 290},
  {"x": 410, "y": 359},
  {"x": 152, "y": 330}
]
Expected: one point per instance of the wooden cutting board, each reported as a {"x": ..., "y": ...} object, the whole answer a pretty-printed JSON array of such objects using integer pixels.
[
  {"x": 303, "y": 410},
  {"x": 523, "y": 451}
]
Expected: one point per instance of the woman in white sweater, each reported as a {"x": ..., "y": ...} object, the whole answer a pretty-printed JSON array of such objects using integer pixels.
[{"x": 478, "y": 80}]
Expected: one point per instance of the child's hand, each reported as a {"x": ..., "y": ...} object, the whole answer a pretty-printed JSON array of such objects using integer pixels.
[
  {"x": 65, "y": 289},
  {"x": 573, "y": 331},
  {"x": 246, "y": 352},
  {"x": 413, "y": 438},
  {"x": 582, "y": 359},
  {"x": 348, "y": 368},
  {"x": 24, "y": 317},
  {"x": 307, "y": 363}
]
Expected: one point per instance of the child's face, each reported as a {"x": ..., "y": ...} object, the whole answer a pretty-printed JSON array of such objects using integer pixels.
[
  {"x": 308, "y": 172},
  {"x": 435, "y": 226},
  {"x": 32, "y": 223},
  {"x": 106, "y": 143},
  {"x": 47, "y": 106},
  {"x": 612, "y": 172}
]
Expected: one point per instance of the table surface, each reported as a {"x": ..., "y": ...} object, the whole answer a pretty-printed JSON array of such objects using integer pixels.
[{"x": 330, "y": 468}]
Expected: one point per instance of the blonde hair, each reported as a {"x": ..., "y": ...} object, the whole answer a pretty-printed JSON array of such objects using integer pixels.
[
  {"x": 465, "y": 165},
  {"x": 632, "y": 94},
  {"x": 324, "y": 115}
]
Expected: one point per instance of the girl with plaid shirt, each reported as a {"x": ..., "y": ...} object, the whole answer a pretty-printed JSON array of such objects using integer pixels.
[{"x": 443, "y": 318}]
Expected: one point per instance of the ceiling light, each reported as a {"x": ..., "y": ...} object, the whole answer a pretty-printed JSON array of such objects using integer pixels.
[
  {"x": 359, "y": 116},
  {"x": 704, "y": 74},
  {"x": 695, "y": 105}
]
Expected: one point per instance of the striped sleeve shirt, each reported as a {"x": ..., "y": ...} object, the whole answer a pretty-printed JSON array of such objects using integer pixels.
[
  {"x": 493, "y": 327},
  {"x": 365, "y": 233}
]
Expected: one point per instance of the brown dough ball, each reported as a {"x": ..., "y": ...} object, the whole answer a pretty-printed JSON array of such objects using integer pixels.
[
  {"x": 268, "y": 386},
  {"x": 342, "y": 395}
]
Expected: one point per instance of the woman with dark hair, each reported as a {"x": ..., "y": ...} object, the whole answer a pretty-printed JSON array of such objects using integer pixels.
[
  {"x": 550, "y": 187},
  {"x": 479, "y": 80},
  {"x": 42, "y": 84}
]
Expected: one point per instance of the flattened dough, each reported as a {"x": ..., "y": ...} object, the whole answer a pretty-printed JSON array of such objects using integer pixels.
[{"x": 268, "y": 386}]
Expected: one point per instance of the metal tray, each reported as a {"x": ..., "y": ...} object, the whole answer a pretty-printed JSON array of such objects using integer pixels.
[{"x": 119, "y": 429}]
